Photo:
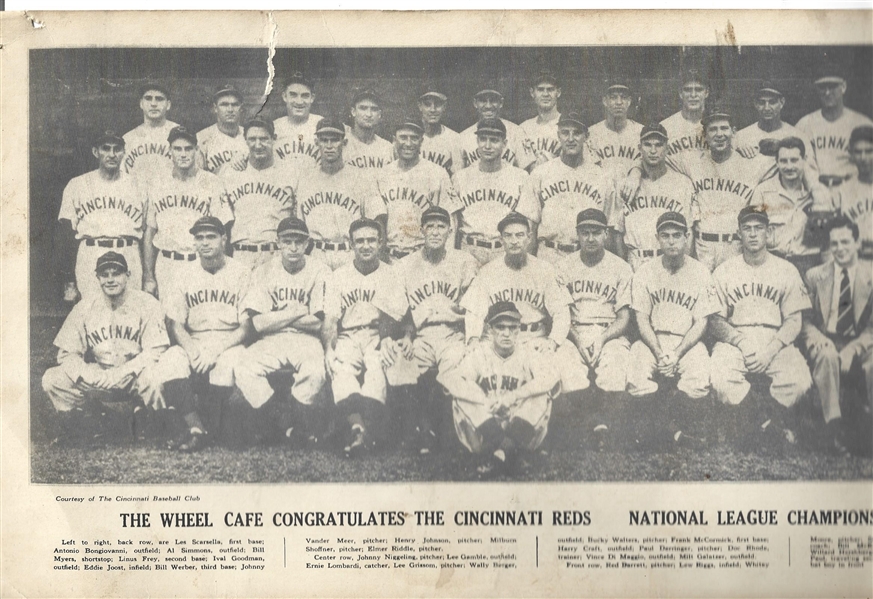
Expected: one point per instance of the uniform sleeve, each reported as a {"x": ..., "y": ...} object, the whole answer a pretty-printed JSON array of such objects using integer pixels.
[
  {"x": 614, "y": 210},
  {"x": 528, "y": 202},
  {"x": 455, "y": 153},
  {"x": 557, "y": 296},
  {"x": 796, "y": 297},
  {"x": 456, "y": 188},
  {"x": 372, "y": 204},
  {"x": 390, "y": 296},
  {"x": 640, "y": 300},
  {"x": 720, "y": 277},
  {"x": 243, "y": 289},
  {"x": 332, "y": 300},
  {"x": 448, "y": 196},
  {"x": 523, "y": 156},
  {"x": 623, "y": 289},
  {"x": 679, "y": 163},
  {"x": 475, "y": 300},
  {"x": 319, "y": 289},
  {"x": 155, "y": 330},
  {"x": 68, "y": 200},
  {"x": 71, "y": 337},
  {"x": 218, "y": 206},
  {"x": 151, "y": 219},
  {"x": 258, "y": 297},
  {"x": 176, "y": 306},
  {"x": 708, "y": 302}
]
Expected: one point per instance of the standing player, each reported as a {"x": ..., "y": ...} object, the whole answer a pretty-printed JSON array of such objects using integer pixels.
[
  {"x": 208, "y": 323},
  {"x": 334, "y": 195},
  {"x": 175, "y": 201},
  {"x": 409, "y": 186},
  {"x": 684, "y": 128},
  {"x": 673, "y": 297},
  {"x": 490, "y": 190},
  {"x": 364, "y": 148},
  {"x": 363, "y": 303},
  {"x": 829, "y": 129},
  {"x": 488, "y": 103},
  {"x": 295, "y": 132},
  {"x": 854, "y": 198},
  {"x": 615, "y": 139},
  {"x": 99, "y": 210},
  {"x": 541, "y": 131},
  {"x": 224, "y": 142},
  {"x": 148, "y": 153},
  {"x": 762, "y": 299},
  {"x": 564, "y": 186},
  {"x": 107, "y": 349},
  {"x": 440, "y": 145},
  {"x": 260, "y": 196},
  {"x": 661, "y": 190},
  {"x": 286, "y": 305},
  {"x": 769, "y": 128},
  {"x": 502, "y": 395}
]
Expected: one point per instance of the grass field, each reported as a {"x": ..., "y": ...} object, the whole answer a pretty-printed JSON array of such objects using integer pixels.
[{"x": 118, "y": 460}]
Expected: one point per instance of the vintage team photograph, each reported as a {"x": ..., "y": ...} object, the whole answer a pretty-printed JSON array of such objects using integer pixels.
[{"x": 629, "y": 263}]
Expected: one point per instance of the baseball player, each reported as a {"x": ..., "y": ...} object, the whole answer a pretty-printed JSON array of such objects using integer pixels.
[
  {"x": 488, "y": 191},
  {"x": 829, "y": 128},
  {"x": 147, "y": 150},
  {"x": 286, "y": 305},
  {"x": 762, "y": 298},
  {"x": 409, "y": 186},
  {"x": 107, "y": 349},
  {"x": 854, "y": 198},
  {"x": 502, "y": 394},
  {"x": 673, "y": 298},
  {"x": 769, "y": 103},
  {"x": 440, "y": 145},
  {"x": 363, "y": 303},
  {"x": 615, "y": 139},
  {"x": 208, "y": 323},
  {"x": 364, "y": 148},
  {"x": 684, "y": 128},
  {"x": 434, "y": 279},
  {"x": 488, "y": 103},
  {"x": 295, "y": 132},
  {"x": 224, "y": 143},
  {"x": 661, "y": 190},
  {"x": 532, "y": 284},
  {"x": 541, "y": 131},
  {"x": 101, "y": 209},
  {"x": 334, "y": 195},
  {"x": 260, "y": 196},
  {"x": 564, "y": 186},
  {"x": 175, "y": 201}
]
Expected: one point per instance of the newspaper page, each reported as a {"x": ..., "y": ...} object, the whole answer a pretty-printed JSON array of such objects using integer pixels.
[{"x": 485, "y": 304}]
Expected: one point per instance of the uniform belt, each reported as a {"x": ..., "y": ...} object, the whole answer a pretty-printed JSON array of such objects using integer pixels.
[
  {"x": 115, "y": 242},
  {"x": 395, "y": 253},
  {"x": 532, "y": 327},
  {"x": 831, "y": 180},
  {"x": 756, "y": 326},
  {"x": 648, "y": 253},
  {"x": 715, "y": 236},
  {"x": 263, "y": 247},
  {"x": 324, "y": 245},
  {"x": 491, "y": 245},
  {"x": 561, "y": 247},
  {"x": 363, "y": 327},
  {"x": 178, "y": 256}
]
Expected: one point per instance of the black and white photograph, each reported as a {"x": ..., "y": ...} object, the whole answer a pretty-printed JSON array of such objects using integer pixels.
[{"x": 398, "y": 265}]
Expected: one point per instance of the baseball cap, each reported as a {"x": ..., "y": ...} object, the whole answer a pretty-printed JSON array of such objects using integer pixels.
[
  {"x": 436, "y": 213},
  {"x": 495, "y": 126},
  {"x": 207, "y": 223},
  {"x": 261, "y": 124},
  {"x": 545, "y": 77},
  {"x": 591, "y": 216},
  {"x": 362, "y": 223},
  {"x": 181, "y": 132},
  {"x": 292, "y": 224},
  {"x": 107, "y": 136},
  {"x": 329, "y": 125},
  {"x": 432, "y": 90},
  {"x": 753, "y": 212},
  {"x": 409, "y": 123},
  {"x": 366, "y": 94},
  {"x": 111, "y": 259},
  {"x": 513, "y": 218},
  {"x": 502, "y": 310},
  {"x": 573, "y": 118},
  {"x": 490, "y": 89},
  {"x": 616, "y": 85},
  {"x": 156, "y": 86},
  {"x": 299, "y": 78},
  {"x": 227, "y": 90},
  {"x": 768, "y": 88},
  {"x": 715, "y": 113},
  {"x": 671, "y": 219},
  {"x": 694, "y": 76},
  {"x": 862, "y": 133},
  {"x": 829, "y": 72},
  {"x": 653, "y": 130}
]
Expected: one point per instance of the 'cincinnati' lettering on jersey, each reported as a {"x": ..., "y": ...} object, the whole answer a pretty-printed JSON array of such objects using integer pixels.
[
  {"x": 329, "y": 197},
  {"x": 529, "y": 296},
  {"x": 606, "y": 152},
  {"x": 858, "y": 209},
  {"x": 566, "y": 186},
  {"x": 830, "y": 142},
  {"x": 219, "y": 159},
  {"x": 203, "y": 296},
  {"x": 718, "y": 184},
  {"x": 354, "y": 296},
  {"x": 287, "y": 294},
  {"x": 296, "y": 147},
  {"x": 471, "y": 157},
  {"x": 182, "y": 201},
  {"x": 497, "y": 382},
  {"x": 673, "y": 296},
  {"x": 438, "y": 158},
  {"x": 656, "y": 202},
  {"x": 595, "y": 288},
  {"x": 743, "y": 290},
  {"x": 261, "y": 188},
  {"x": 97, "y": 336},
  {"x": 490, "y": 195},
  {"x": 401, "y": 194},
  {"x": 431, "y": 288},
  {"x": 686, "y": 142},
  {"x": 154, "y": 148},
  {"x": 367, "y": 161},
  {"x": 109, "y": 203},
  {"x": 550, "y": 145}
]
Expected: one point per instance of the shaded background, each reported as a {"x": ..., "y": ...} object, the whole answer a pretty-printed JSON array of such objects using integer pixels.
[{"x": 76, "y": 92}]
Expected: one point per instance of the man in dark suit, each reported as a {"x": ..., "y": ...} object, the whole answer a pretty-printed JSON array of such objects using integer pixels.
[{"x": 838, "y": 330}]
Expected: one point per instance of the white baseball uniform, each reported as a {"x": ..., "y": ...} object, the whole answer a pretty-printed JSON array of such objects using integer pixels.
[
  {"x": 748, "y": 140},
  {"x": 598, "y": 293},
  {"x": 756, "y": 300},
  {"x": 218, "y": 149},
  {"x": 543, "y": 137},
  {"x": 785, "y": 209},
  {"x": 375, "y": 154},
  {"x": 105, "y": 215},
  {"x": 96, "y": 337},
  {"x": 147, "y": 151},
  {"x": 516, "y": 154},
  {"x": 273, "y": 288},
  {"x": 296, "y": 141},
  {"x": 854, "y": 199},
  {"x": 830, "y": 140},
  {"x": 673, "y": 301},
  {"x": 617, "y": 151},
  {"x": 684, "y": 135},
  {"x": 443, "y": 149}
]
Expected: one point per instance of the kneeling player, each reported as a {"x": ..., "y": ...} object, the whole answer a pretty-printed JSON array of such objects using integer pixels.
[{"x": 502, "y": 394}]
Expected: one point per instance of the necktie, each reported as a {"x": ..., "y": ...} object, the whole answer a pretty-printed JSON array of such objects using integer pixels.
[{"x": 845, "y": 319}]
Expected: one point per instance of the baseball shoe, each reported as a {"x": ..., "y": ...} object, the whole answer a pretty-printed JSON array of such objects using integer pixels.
[
  {"x": 358, "y": 446},
  {"x": 681, "y": 439},
  {"x": 490, "y": 468},
  {"x": 600, "y": 437},
  {"x": 837, "y": 437},
  {"x": 195, "y": 442}
]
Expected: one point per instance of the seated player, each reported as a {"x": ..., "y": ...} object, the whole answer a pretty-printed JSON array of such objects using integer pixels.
[
  {"x": 208, "y": 323},
  {"x": 502, "y": 394},
  {"x": 286, "y": 305},
  {"x": 107, "y": 349}
]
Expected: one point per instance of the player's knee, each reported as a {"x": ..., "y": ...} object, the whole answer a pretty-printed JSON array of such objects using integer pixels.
[
  {"x": 491, "y": 434},
  {"x": 50, "y": 380}
]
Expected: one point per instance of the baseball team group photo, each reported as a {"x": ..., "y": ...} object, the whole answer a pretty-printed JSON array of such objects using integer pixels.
[{"x": 451, "y": 264}]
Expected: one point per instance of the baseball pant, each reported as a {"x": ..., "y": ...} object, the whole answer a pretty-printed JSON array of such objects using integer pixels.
[
  {"x": 469, "y": 417},
  {"x": 288, "y": 349},
  {"x": 63, "y": 386},
  {"x": 826, "y": 374},
  {"x": 167, "y": 273},
  {"x": 713, "y": 253},
  {"x": 482, "y": 255},
  {"x": 357, "y": 366},
  {"x": 552, "y": 256},
  {"x": 693, "y": 369},
  {"x": 437, "y": 346},
  {"x": 574, "y": 373},
  {"x": 252, "y": 259},
  {"x": 610, "y": 368},
  {"x": 788, "y": 372},
  {"x": 86, "y": 267},
  {"x": 333, "y": 258},
  {"x": 173, "y": 363}
]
